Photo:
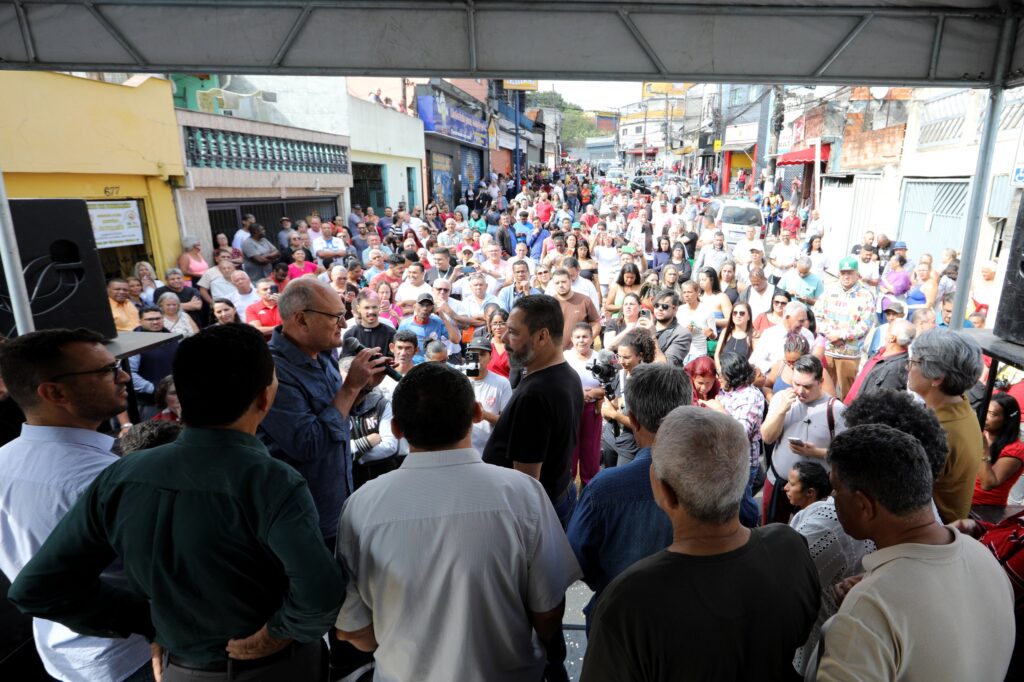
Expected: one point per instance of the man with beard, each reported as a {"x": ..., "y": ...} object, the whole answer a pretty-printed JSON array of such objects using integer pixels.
[
  {"x": 537, "y": 431},
  {"x": 673, "y": 339},
  {"x": 370, "y": 331}
]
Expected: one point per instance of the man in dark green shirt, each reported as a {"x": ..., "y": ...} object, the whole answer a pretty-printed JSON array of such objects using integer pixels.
[{"x": 220, "y": 542}]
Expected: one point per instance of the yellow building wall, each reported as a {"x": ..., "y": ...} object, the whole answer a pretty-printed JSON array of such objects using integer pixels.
[
  {"x": 68, "y": 137},
  {"x": 162, "y": 236}
]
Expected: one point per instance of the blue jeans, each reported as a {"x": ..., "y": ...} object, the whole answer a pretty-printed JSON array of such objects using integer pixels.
[
  {"x": 749, "y": 513},
  {"x": 567, "y": 506}
]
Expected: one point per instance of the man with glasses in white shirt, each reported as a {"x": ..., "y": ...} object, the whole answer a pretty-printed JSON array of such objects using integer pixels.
[{"x": 67, "y": 384}]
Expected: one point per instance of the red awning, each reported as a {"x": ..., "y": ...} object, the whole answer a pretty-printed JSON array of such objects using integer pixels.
[
  {"x": 802, "y": 156},
  {"x": 652, "y": 151}
]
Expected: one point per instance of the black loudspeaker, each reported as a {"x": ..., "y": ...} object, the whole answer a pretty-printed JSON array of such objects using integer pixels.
[
  {"x": 61, "y": 268},
  {"x": 1010, "y": 318}
]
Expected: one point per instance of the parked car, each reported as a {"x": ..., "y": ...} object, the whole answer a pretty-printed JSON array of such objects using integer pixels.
[
  {"x": 735, "y": 216},
  {"x": 616, "y": 175},
  {"x": 644, "y": 183}
]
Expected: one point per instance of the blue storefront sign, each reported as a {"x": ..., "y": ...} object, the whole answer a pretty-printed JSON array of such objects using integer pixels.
[{"x": 440, "y": 117}]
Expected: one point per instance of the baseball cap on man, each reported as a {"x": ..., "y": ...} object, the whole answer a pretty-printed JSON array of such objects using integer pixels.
[
  {"x": 479, "y": 343},
  {"x": 893, "y": 305},
  {"x": 899, "y": 245},
  {"x": 425, "y": 298},
  {"x": 848, "y": 263}
]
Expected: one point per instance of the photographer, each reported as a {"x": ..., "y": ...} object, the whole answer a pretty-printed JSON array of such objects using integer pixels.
[
  {"x": 586, "y": 458},
  {"x": 492, "y": 392},
  {"x": 637, "y": 347},
  {"x": 375, "y": 450}
]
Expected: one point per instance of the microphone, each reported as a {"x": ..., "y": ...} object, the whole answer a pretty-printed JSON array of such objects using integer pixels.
[{"x": 352, "y": 345}]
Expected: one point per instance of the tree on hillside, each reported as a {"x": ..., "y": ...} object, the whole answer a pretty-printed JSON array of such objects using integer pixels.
[{"x": 576, "y": 125}]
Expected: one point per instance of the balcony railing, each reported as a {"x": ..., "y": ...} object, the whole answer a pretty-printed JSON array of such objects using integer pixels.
[{"x": 212, "y": 148}]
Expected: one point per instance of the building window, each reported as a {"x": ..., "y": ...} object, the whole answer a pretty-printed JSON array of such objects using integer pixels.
[
  {"x": 942, "y": 119},
  {"x": 639, "y": 129},
  {"x": 737, "y": 97}
]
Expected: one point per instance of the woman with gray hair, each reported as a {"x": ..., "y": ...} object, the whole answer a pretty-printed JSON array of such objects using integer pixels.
[
  {"x": 944, "y": 364},
  {"x": 191, "y": 261},
  {"x": 174, "y": 321}
]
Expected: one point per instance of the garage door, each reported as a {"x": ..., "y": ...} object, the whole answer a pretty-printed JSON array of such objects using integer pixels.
[{"x": 932, "y": 215}]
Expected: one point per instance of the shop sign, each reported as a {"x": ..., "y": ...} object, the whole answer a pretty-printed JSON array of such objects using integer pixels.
[
  {"x": 115, "y": 223},
  {"x": 440, "y": 117}
]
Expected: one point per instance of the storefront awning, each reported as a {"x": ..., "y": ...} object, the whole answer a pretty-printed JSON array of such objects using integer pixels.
[
  {"x": 803, "y": 156},
  {"x": 738, "y": 147},
  {"x": 651, "y": 151}
]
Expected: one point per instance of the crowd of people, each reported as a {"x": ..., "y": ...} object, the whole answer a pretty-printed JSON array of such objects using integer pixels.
[{"x": 386, "y": 445}]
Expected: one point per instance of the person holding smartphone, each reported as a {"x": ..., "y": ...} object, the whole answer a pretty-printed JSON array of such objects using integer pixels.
[
  {"x": 263, "y": 314},
  {"x": 802, "y": 421}
]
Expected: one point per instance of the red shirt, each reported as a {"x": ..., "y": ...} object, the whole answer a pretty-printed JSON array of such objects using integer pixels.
[
  {"x": 544, "y": 211},
  {"x": 791, "y": 224},
  {"x": 498, "y": 363},
  {"x": 999, "y": 495},
  {"x": 590, "y": 220},
  {"x": 267, "y": 317},
  {"x": 395, "y": 282}
]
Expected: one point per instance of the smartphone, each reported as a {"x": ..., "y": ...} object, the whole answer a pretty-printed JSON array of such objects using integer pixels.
[
  {"x": 795, "y": 441},
  {"x": 645, "y": 313},
  {"x": 468, "y": 269},
  {"x": 274, "y": 289}
]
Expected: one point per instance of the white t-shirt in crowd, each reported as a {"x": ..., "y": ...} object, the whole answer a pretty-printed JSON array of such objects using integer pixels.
[
  {"x": 408, "y": 291},
  {"x": 493, "y": 393},
  {"x": 785, "y": 256},
  {"x": 809, "y": 423}
]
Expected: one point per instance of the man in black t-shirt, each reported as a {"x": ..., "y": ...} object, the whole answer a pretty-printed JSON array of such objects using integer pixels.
[
  {"x": 369, "y": 330},
  {"x": 722, "y": 602},
  {"x": 537, "y": 431}
]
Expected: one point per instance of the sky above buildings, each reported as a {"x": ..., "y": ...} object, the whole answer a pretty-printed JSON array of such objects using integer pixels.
[{"x": 596, "y": 94}]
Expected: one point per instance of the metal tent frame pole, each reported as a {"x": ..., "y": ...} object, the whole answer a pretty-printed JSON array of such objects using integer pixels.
[
  {"x": 13, "y": 274},
  {"x": 982, "y": 173}
]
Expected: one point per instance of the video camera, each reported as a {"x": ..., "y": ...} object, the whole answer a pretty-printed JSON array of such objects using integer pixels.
[
  {"x": 471, "y": 366},
  {"x": 605, "y": 368}
]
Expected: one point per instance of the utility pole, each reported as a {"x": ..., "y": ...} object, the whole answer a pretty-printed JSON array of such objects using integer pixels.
[
  {"x": 668, "y": 128},
  {"x": 775, "y": 129},
  {"x": 643, "y": 148}
]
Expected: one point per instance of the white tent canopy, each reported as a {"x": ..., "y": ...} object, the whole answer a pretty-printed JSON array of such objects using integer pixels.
[
  {"x": 949, "y": 43},
  {"x": 884, "y": 42}
]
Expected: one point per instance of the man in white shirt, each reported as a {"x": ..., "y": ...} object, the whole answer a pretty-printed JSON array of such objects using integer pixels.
[
  {"x": 328, "y": 248},
  {"x": 67, "y": 384},
  {"x": 759, "y": 294},
  {"x": 783, "y": 257},
  {"x": 245, "y": 294},
  {"x": 411, "y": 288},
  {"x": 769, "y": 349},
  {"x": 422, "y": 555},
  {"x": 933, "y": 604},
  {"x": 493, "y": 392},
  {"x": 744, "y": 246},
  {"x": 242, "y": 233}
]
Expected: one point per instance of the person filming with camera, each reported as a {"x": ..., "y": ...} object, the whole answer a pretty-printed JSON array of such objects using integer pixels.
[
  {"x": 493, "y": 391},
  {"x": 636, "y": 347}
]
